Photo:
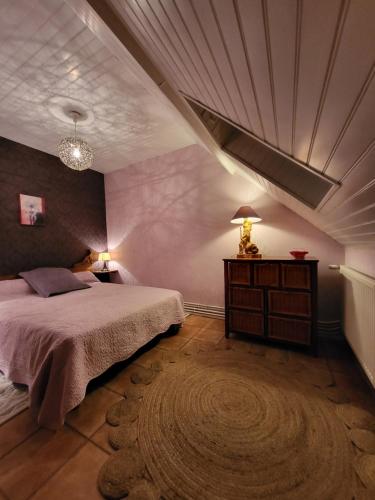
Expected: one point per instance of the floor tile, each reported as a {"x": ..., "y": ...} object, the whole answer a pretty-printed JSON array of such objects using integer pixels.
[
  {"x": 77, "y": 479},
  {"x": 90, "y": 415},
  {"x": 217, "y": 324},
  {"x": 317, "y": 377},
  {"x": 276, "y": 355},
  {"x": 344, "y": 366},
  {"x": 225, "y": 343},
  {"x": 335, "y": 348},
  {"x": 356, "y": 389},
  {"x": 196, "y": 320},
  {"x": 119, "y": 383},
  {"x": 210, "y": 335},
  {"x": 189, "y": 331},
  {"x": 150, "y": 357},
  {"x": 173, "y": 343},
  {"x": 318, "y": 362},
  {"x": 195, "y": 346},
  {"x": 100, "y": 437},
  {"x": 16, "y": 430},
  {"x": 26, "y": 468},
  {"x": 235, "y": 342},
  {"x": 257, "y": 349}
]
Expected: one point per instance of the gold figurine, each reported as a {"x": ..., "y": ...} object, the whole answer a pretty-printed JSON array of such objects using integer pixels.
[{"x": 246, "y": 216}]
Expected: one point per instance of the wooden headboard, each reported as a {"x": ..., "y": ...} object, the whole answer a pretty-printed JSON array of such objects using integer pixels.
[{"x": 84, "y": 265}]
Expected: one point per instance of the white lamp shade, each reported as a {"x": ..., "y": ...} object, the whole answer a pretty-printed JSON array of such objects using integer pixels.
[
  {"x": 245, "y": 213},
  {"x": 105, "y": 256}
]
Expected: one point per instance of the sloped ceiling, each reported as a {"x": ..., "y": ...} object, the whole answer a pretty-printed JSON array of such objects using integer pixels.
[
  {"x": 49, "y": 59},
  {"x": 298, "y": 74}
]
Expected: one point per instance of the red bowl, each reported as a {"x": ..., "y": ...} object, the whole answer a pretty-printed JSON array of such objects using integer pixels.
[{"x": 299, "y": 254}]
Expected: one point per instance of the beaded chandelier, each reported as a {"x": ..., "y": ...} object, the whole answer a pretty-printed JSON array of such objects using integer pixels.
[{"x": 74, "y": 152}]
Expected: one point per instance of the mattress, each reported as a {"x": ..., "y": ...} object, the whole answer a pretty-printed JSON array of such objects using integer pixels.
[{"x": 57, "y": 345}]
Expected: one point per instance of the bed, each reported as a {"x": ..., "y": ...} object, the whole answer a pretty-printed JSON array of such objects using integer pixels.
[{"x": 57, "y": 345}]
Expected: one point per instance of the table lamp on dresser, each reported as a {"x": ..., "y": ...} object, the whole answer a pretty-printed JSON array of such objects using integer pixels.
[{"x": 246, "y": 216}]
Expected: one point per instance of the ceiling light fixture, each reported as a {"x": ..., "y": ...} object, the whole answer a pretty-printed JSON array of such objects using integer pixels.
[{"x": 74, "y": 152}]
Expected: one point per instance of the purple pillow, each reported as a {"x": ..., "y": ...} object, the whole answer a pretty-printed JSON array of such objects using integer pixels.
[{"x": 48, "y": 281}]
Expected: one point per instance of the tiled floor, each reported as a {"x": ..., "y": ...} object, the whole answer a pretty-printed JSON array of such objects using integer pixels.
[{"x": 43, "y": 465}]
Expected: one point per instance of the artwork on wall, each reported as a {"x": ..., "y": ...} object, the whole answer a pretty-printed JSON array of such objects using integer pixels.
[{"x": 32, "y": 210}]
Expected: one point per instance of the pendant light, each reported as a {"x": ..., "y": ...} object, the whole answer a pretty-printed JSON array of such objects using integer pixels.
[{"x": 74, "y": 152}]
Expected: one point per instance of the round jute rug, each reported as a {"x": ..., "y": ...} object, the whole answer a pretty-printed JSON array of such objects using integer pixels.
[{"x": 230, "y": 425}]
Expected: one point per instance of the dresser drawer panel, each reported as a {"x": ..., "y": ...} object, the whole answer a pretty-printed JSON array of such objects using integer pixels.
[
  {"x": 246, "y": 322},
  {"x": 291, "y": 330},
  {"x": 239, "y": 273},
  {"x": 296, "y": 276},
  {"x": 249, "y": 298},
  {"x": 266, "y": 275},
  {"x": 294, "y": 303}
]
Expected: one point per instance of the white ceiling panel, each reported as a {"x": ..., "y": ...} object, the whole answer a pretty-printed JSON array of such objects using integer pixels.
[
  {"x": 313, "y": 47},
  {"x": 281, "y": 19},
  {"x": 351, "y": 65},
  {"x": 356, "y": 138},
  {"x": 359, "y": 178},
  {"x": 48, "y": 53},
  {"x": 227, "y": 20},
  {"x": 255, "y": 44},
  {"x": 353, "y": 219},
  {"x": 208, "y": 18}
]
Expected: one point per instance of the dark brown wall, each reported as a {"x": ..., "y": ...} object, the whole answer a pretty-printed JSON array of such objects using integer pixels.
[{"x": 75, "y": 210}]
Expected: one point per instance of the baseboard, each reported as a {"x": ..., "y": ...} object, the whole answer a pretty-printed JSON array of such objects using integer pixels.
[
  {"x": 325, "y": 328},
  {"x": 330, "y": 329},
  {"x": 205, "y": 310}
]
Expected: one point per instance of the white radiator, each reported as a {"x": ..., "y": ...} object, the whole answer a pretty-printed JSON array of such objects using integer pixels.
[{"x": 359, "y": 317}]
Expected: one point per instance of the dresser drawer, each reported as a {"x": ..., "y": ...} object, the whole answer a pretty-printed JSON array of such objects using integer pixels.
[
  {"x": 294, "y": 303},
  {"x": 266, "y": 275},
  {"x": 246, "y": 322},
  {"x": 248, "y": 298},
  {"x": 296, "y": 276},
  {"x": 239, "y": 273},
  {"x": 291, "y": 330}
]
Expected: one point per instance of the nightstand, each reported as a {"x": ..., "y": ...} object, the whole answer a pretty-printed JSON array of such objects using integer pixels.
[{"x": 105, "y": 276}]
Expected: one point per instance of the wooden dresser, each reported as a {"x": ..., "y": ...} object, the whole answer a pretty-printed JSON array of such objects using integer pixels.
[{"x": 272, "y": 298}]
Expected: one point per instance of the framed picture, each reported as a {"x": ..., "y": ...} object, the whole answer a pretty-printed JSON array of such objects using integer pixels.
[{"x": 32, "y": 210}]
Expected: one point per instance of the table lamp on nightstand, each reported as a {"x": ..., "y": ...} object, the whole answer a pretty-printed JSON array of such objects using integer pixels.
[
  {"x": 247, "y": 217},
  {"x": 104, "y": 257}
]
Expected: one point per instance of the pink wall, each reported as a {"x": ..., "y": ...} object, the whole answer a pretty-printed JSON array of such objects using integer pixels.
[
  {"x": 361, "y": 258},
  {"x": 168, "y": 222}
]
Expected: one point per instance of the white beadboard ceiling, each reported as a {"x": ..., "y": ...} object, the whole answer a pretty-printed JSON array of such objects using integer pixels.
[
  {"x": 298, "y": 74},
  {"x": 46, "y": 54}
]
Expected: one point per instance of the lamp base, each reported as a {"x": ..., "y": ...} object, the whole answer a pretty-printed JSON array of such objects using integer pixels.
[{"x": 249, "y": 256}]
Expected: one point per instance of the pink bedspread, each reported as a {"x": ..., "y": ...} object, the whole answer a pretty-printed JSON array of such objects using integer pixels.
[{"x": 57, "y": 345}]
